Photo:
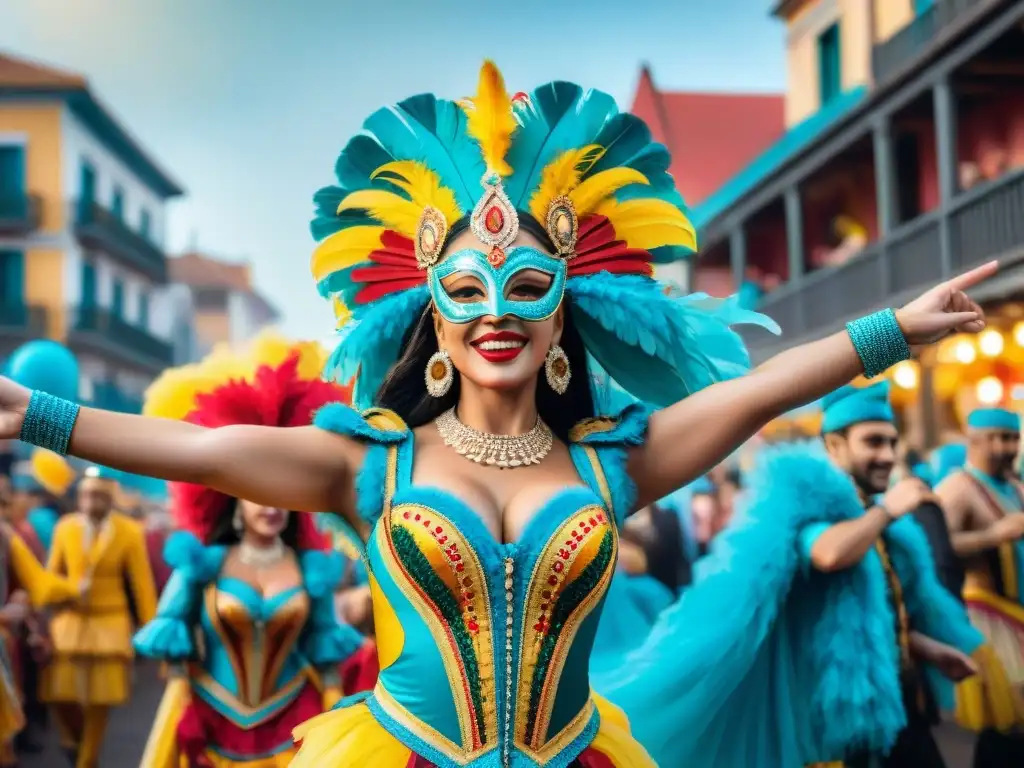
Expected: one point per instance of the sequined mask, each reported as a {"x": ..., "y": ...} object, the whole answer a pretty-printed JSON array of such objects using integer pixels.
[
  {"x": 495, "y": 282},
  {"x": 495, "y": 222}
]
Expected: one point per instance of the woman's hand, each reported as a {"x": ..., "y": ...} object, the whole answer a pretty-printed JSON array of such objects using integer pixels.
[
  {"x": 945, "y": 309},
  {"x": 13, "y": 403}
]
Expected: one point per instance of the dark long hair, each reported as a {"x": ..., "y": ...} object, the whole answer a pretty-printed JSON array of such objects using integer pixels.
[
  {"x": 404, "y": 389},
  {"x": 224, "y": 532}
]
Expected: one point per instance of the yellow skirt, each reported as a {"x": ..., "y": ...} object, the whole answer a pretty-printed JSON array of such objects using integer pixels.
[
  {"x": 352, "y": 738},
  {"x": 993, "y": 698},
  {"x": 92, "y": 660}
]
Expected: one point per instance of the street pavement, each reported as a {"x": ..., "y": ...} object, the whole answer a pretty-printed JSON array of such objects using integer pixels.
[{"x": 129, "y": 727}]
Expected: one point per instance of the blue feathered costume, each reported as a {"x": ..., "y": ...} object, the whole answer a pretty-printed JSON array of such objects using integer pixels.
[{"x": 758, "y": 634}]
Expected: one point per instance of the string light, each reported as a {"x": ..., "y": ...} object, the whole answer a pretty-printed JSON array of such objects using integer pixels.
[
  {"x": 989, "y": 390},
  {"x": 1018, "y": 333},
  {"x": 965, "y": 352},
  {"x": 991, "y": 343},
  {"x": 905, "y": 376}
]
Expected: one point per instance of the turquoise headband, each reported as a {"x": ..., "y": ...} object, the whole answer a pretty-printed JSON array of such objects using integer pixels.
[
  {"x": 495, "y": 278},
  {"x": 994, "y": 418},
  {"x": 851, "y": 405}
]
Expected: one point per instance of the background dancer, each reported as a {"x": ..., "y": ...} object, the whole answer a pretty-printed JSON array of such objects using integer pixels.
[
  {"x": 247, "y": 617},
  {"x": 984, "y": 506}
]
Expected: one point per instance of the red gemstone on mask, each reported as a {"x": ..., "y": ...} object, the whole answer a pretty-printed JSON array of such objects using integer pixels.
[
  {"x": 494, "y": 220},
  {"x": 496, "y": 257}
]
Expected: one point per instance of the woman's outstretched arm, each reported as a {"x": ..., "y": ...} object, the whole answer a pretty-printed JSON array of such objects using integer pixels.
[
  {"x": 299, "y": 468},
  {"x": 686, "y": 439}
]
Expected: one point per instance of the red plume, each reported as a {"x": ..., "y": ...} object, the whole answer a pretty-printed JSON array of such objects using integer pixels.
[{"x": 277, "y": 397}]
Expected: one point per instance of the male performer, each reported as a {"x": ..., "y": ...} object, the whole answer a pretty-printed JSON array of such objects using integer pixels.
[
  {"x": 861, "y": 437},
  {"x": 102, "y": 551},
  {"x": 983, "y": 502}
]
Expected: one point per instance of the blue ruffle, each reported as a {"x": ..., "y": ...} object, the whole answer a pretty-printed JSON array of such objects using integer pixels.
[
  {"x": 198, "y": 563},
  {"x": 321, "y": 572},
  {"x": 166, "y": 638},
  {"x": 331, "y": 644},
  {"x": 345, "y": 420}
]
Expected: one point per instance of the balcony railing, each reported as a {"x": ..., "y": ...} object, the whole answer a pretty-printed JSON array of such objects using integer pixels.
[
  {"x": 101, "y": 328},
  {"x": 20, "y": 215},
  {"x": 899, "y": 53},
  {"x": 98, "y": 228},
  {"x": 984, "y": 223},
  {"x": 25, "y": 319}
]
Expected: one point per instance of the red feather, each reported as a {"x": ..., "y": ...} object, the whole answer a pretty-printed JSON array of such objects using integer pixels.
[
  {"x": 394, "y": 269},
  {"x": 597, "y": 250},
  {"x": 277, "y": 398}
]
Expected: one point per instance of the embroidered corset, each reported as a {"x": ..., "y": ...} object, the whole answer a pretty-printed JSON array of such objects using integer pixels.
[
  {"x": 483, "y": 646},
  {"x": 252, "y": 663},
  {"x": 254, "y": 654}
]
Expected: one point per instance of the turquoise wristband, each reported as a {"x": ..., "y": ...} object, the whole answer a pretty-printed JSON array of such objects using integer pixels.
[
  {"x": 48, "y": 422},
  {"x": 879, "y": 342}
]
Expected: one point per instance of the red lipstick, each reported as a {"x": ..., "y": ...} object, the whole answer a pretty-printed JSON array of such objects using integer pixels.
[{"x": 500, "y": 346}]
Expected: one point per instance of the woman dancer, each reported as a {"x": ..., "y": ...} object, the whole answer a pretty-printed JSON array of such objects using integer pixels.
[
  {"x": 255, "y": 583},
  {"x": 480, "y": 256}
]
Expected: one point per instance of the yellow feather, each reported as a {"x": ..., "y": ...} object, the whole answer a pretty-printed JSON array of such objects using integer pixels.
[
  {"x": 648, "y": 223},
  {"x": 393, "y": 211},
  {"x": 422, "y": 185},
  {"x": 592, "y": 192},
  {"x": 342, "y": 314},
  {"x": 344, "y": 249},
  {"x": 561, "y": 176},
  {"x": 490, "y": 119},
  {"x": 174, "y": 394}
]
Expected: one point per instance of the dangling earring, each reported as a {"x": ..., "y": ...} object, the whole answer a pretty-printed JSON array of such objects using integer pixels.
[
  {"x": 556, "y": 369},
  {"x": 237, "y": 522},
  {"x": 440, "y": 374}
]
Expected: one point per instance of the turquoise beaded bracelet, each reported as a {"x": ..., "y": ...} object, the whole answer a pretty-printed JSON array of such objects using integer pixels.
[
  {"x": 48, "y": 422},
  {"x": 879, "y": 342}
]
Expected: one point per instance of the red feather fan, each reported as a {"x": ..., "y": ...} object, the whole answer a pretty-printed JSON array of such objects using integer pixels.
[{"x": 276, "y": 398}]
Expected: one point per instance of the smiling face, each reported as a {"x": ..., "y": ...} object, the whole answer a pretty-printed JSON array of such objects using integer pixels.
[
  {"x": 265, "y": 522},
  {"x": 498, "y": 323}
]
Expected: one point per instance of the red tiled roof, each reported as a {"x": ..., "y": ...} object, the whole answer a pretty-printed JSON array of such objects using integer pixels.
[
  {"x": 24, "y": 73},
  {"x": 712, "y": 136},
  {"x": 198, "y": 271}
]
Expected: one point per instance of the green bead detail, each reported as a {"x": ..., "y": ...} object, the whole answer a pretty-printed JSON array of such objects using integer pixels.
[
  {"x": 567, "y": 602},
  {"x": 419, "y": 568}
]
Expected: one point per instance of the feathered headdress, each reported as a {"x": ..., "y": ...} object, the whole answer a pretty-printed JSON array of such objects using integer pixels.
[
  {"x": 271, "y": 383},
  {"x": 590, "y": 175}
]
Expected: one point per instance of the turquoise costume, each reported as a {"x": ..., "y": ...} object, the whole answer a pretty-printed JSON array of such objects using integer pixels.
[
  {"x": 499, "y": 634},
  {"x": 255, "y": 656}
]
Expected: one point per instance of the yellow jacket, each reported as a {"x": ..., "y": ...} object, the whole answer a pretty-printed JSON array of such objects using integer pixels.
[
  {"x": 43, "y": 588},
  {"x": 117, "y": 550}
]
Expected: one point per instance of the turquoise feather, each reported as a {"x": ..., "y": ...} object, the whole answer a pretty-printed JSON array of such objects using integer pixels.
[
  {"x": 432, "y": 131},
  {"x": 660, "y": 348},
  {"x": 372, "y": 341},
  {"x": 559, "y": 117}
]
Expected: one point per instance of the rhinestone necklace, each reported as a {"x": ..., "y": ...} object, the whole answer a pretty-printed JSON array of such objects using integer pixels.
[
  {"x": 504, "y": 451},
  {"x": 261, "y": 557}
]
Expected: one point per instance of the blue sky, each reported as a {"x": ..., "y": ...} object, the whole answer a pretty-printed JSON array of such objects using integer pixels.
[{"x": 248, "y": 102}]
